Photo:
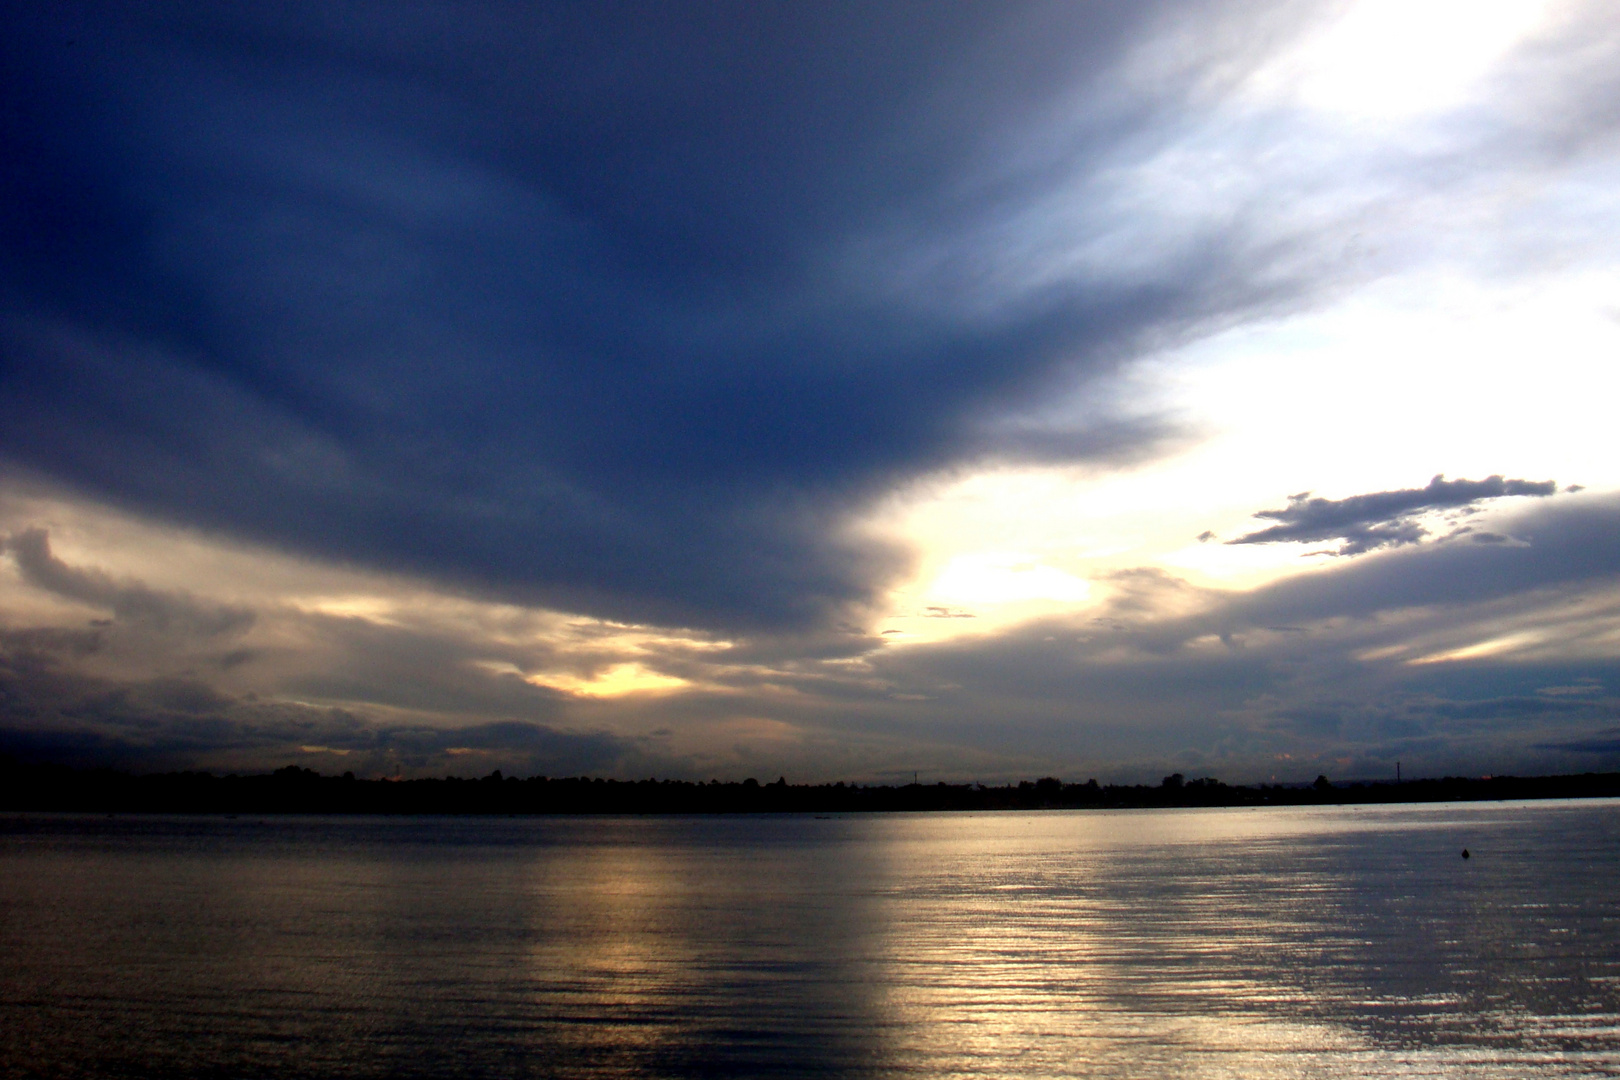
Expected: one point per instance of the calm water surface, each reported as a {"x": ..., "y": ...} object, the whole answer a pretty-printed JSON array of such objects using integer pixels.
[{"x": 1184, "y": 943}]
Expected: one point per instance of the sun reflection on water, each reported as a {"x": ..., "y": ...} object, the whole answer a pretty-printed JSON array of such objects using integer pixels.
[{"x": 1252, "y": 943}]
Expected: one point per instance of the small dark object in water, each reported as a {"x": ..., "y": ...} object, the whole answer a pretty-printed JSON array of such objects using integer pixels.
[{"x": 1465, "y": 853}]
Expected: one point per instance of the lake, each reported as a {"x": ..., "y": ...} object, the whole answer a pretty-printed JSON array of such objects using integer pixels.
[{"x": 1297, "y": 942}]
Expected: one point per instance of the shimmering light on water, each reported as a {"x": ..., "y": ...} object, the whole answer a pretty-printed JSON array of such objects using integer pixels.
[{"x": 1241, "y": 943}]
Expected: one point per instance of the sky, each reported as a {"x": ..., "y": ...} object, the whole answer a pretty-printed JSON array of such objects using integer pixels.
[{"x": 839, "y": 391}]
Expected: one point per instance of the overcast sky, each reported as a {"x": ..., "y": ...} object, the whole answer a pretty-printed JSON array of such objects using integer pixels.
[{"x": 831, "y": 390}]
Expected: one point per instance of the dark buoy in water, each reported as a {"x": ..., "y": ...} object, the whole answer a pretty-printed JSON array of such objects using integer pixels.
[{"x": 1465, "y": 853}]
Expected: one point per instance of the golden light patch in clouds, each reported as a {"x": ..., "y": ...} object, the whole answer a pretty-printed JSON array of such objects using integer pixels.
[
  {"x": 619, "y": 659},
  {"x": 316, "y": 624},
  {"x": 371, "y": 608},
  {"x": 1007, "y": 545},
  {"x": 1493, "y": 647},
  {"x": 614, "y": 681},
  {"x": 984, "y": 558},
  {"x": 634, "y": 638}
]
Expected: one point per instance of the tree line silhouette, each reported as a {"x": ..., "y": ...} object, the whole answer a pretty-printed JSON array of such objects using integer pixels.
[{"x": 50, "y": 787}]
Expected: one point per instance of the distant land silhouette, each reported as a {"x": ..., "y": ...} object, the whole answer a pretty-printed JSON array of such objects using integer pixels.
[{"x": 295, "y": 790}]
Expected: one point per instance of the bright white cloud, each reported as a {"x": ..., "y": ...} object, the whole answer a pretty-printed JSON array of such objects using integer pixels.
[{"x": 1388, "y": 60}]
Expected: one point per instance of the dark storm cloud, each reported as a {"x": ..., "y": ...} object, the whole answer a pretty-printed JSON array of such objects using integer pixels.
[
  {"x": 617, "y": 307},
  {"x": 1606, "y": 742},
  {"x": 421, "y": 670},
  {"x": 53, "y": 710},
  {"x": 1363, "y": 523},
  {"x": 31, "y": 549},
  {"x": 587, "y": 751}
]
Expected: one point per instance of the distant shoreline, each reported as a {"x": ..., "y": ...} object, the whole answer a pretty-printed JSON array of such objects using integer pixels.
[{"x": 294, "y": 790}]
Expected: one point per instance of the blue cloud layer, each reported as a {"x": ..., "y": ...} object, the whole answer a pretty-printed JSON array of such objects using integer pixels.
[{"x": 603, "y": 306}]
